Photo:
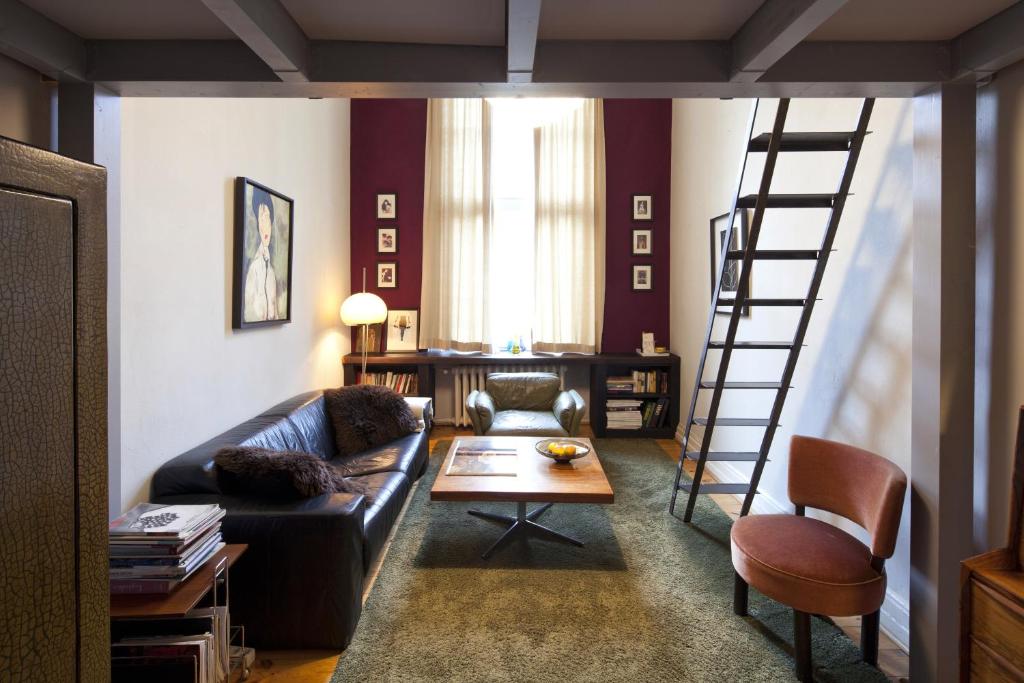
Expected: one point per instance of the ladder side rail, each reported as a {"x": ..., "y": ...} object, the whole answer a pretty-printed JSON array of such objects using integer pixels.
[
  {"x": 688, "y": 425},
  {"x": 805, "y": 317},
  {"x": 741, "y": 297}
]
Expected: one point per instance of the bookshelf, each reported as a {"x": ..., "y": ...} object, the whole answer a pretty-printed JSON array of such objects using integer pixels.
[
  {"x": 625, "y": 387},
  {"x": 408, "y": 374}
]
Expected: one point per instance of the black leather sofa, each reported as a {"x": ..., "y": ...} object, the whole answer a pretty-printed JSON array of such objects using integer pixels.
[{"x": 300, "y": 583}]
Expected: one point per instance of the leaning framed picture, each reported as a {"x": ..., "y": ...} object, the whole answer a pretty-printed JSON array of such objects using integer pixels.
[
  {"x": 387, "y": 275},
  {"x": 642, "y": 242},
  {"x": 387, "y": 206},
  {"x": 403, "y": 330},
  {"x": 643, "y": 207},
  {"x": 643, "y": 278},
  {"x": 387, "y": 240},
  {"x": 262, "y": 271},
  {"x": 731, "y": 274},
  {"x": 373, "y": 338}
]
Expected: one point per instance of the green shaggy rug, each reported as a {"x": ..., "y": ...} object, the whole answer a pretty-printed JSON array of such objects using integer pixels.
[{"x": 648, "y": 599}]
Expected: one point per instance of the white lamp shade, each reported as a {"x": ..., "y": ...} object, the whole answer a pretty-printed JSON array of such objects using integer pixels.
[{"x": 363, "y": 308}]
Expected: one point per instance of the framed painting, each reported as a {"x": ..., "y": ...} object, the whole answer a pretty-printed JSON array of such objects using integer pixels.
[
  {"x": 643, "y": 207},
  {"x": 262, "y": 281},
  {"x": 731, "y": 275},
  {"x": 387, "y": 275},
  {"x": 387, "y": 240},
  {"x": 373, "y": 338},
  {"x": 387, "y": 206},
  {"x": 643, "y": 278},
  {"x": 403, "y": 330},
  {"x": 643, "y": 242}
]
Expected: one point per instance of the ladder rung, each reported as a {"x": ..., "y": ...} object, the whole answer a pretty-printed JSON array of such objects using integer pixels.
[
  {"x": 763, "y": 302},
  {"x": 725, "y": 456},
  {"x": 743, "y": 385},
  {"x": 770, "y": 345},
  {"x": 789, "y": 201},
  {"x": 716, "y": 488},
  {"x": 804, "y": 142},
  {"x": 777, "y": 255},
  {"x": 734, "y": 422}
]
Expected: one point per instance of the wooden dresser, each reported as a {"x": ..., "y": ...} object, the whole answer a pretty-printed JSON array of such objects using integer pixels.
[{"x": 992, "y": 598}]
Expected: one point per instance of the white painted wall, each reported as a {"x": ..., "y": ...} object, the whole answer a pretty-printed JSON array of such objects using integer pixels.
[
  {"x": 852, "y": 383},
  {"x": 186, "y": 375},
  {"x": 25, "y": 104}
]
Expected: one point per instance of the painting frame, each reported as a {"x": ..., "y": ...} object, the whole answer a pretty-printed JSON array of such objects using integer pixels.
[
  {"x": 643, "y": 207},
  {"x": 383, "y": 212},
  {"x": 383, "y": 232},
  {"x": 643, "y": 242},
  {"x": 374, "y": 336},
  {"x": 242, "y": 314},
  {"x": 382, "y": 267},
  {"x": 717, "y": 226},
  {"x": 641, "y": 282},
  {"x": 401, "y": 345}
]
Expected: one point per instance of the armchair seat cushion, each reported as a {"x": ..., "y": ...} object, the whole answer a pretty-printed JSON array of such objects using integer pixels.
[
  {"x": 525, "y": 423},
  {"x": 808, "y": 564}
]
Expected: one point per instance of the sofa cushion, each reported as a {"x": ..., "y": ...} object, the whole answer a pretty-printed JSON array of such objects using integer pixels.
[
  {"x": 385, "y": 494},
  {"x": 525, "y": 423},
  {"x": 523, "y": 390},
  {"x": 247, "y": 470},
  {"x": 403, "y": 455},
  {"x": 366, "y": 416}
]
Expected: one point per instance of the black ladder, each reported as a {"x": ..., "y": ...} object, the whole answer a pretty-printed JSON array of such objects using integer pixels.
[{"x": 770, "y": 144}]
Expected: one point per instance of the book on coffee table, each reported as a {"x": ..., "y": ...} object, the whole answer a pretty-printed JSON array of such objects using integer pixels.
[{"x": 470, "y": 461}]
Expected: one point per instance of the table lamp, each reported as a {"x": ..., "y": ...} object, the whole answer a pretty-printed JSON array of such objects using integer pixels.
[{"x": 363, "y": 309}]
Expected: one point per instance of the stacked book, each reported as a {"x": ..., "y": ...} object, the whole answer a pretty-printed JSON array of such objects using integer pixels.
[
  {"x": 401, "y": 382},
  {"x": 153, "y": 548},
  {"x": 620, "y": 385},
  {"x": 193, "y": 648},
  {"x": 624, "y": 413},
  {"x": 638, "y": 382}
]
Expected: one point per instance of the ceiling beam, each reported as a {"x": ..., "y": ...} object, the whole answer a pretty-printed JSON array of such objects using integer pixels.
[
  {"x": 269, "y": 31},
  {"x": 28, "y": 37},
  {"x": 773, "y": 30},
  {"x": 990, "y": 46},
  {"x": 522, "y": 21}
]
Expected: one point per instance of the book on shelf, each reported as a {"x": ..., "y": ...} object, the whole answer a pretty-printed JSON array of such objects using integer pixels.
[
  {"x": 646, "y": 381},
  {"x": 400, "y": 382}
]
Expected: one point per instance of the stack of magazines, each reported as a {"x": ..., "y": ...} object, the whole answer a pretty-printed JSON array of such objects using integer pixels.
[
  {"x": 153, "y": 548},
  {"x": 194, "y": 648}
]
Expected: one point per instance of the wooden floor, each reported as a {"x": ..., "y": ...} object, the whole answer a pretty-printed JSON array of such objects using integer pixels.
[{"x": 316, "y": 666}]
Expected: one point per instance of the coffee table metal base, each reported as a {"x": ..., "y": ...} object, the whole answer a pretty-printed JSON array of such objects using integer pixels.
[{"x": 522, "y": 524}]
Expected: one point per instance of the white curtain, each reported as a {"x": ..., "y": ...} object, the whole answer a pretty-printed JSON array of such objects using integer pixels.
[
  {"x": 454, "y": 310},
  {"x": 570, "y": 232}
]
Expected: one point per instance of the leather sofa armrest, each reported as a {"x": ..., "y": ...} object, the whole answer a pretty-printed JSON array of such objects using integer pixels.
[
  {"x": 423, "y": 408},
  {"x": 300, "y": 582},
  {"x": 581, "y": 408},
  {"x": 565, "y": 411},
  {"x": 480, "y": 407}
]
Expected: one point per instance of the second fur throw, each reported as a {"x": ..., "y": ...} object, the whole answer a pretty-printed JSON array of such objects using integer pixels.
[
  {"x": 249, "y": 470},
  {"x": 365, "y": 416}
]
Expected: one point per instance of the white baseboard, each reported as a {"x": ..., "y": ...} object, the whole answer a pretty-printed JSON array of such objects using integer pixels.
[{"x": 895, "y": 614}]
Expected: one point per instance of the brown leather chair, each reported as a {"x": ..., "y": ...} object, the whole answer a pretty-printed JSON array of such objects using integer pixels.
[{"x": 812, "y": 566}]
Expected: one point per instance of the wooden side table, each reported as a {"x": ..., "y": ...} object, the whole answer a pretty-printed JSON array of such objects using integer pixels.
[{"x": 210, "y": 579}]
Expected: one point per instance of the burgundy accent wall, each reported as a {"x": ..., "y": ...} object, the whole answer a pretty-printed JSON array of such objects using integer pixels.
[
  {"x": 388, "y": 146},
  {"x": 638, "y": 160}
]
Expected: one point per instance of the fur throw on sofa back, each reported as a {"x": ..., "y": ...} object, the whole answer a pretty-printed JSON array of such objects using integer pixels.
[
  {"x": 365, "y": 416},
  {"x": 247, "y": 470}
]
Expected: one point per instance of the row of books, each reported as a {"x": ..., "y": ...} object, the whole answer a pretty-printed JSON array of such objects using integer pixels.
[
  {"x": 636, "y": 414},
  {"x": 153, "y": 548},
  {"x": 402, "y": 382},
  {"x": 639, "y": 382},
  {"x": 195, "y": 648}
]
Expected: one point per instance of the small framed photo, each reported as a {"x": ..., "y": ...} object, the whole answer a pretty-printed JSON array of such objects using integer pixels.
[
  {"x": 403, "y": 330},
  {"x": 387, "y": 206},
  {"x": 373, "y": 338},
  {"x": 642, "y": 242},
  {"x": 643, "y": 278},
  {"x": 643, "y": 207},
  {"x": 387, "y": 240},
  {"x": 387, "y": 275}
]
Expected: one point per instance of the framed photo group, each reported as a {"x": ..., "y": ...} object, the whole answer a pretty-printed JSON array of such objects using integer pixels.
[
  {"x": 643, "y": 242},
  {"x": 387, "y": 240}
]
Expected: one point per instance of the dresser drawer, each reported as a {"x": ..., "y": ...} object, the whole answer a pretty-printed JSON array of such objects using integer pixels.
[{"x": 998, "y": 623}]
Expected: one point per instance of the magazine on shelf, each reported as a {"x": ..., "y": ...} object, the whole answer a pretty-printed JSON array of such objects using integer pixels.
[
  {"x": 176, "y": 522},
  {"x": 478, "y": 461}
]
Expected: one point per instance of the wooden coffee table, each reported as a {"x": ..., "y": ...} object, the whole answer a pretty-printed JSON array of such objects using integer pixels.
[{"x": 538, "y": 479}]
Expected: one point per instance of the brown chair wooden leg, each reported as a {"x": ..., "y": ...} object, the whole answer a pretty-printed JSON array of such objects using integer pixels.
[
  {"x": 802, "y": 641},
  {"x": 740, "y": 593},
  {"x": 869, "y": 637}
]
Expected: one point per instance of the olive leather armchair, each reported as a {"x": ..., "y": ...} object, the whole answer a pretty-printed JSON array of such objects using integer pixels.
[{"x": 525, "y": 404}]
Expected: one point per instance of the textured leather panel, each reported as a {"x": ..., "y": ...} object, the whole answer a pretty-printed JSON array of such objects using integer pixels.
[
  {"x": 406, "y": 455},
  {"x": 37, "y": 464},
  {"x": 525, "y": 423},
  {"x": 523, "y": 390},
  {"x": 386, "y": 492},
  {"x": 313, "y": 429},
  {"x": 37, "y": 170}
]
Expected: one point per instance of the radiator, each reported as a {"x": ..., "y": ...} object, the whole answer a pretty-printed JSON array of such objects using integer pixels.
[{"x": 467, "y": 378}]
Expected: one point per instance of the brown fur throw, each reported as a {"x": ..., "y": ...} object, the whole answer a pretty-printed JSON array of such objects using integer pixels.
[
  {"x": 261, "y": 472},
  {"x": 365, "y": 416}
]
